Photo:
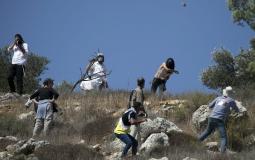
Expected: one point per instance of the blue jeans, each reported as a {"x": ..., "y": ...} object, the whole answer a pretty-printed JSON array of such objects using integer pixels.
[
  {"x": 129, "y": 141},
  {"x": 213, "y": 124}
]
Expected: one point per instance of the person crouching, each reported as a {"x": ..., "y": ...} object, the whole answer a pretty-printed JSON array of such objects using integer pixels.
[
  {"x": 44, "y": 114},
  {"x": 123, "y": 128}
]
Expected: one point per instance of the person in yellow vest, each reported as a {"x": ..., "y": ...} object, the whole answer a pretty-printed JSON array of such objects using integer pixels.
[{"x": 130, "y": 117}]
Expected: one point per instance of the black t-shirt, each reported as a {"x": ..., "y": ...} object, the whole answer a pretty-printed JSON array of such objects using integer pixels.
[
  {"x": 44, "y": 93},
  {"x": 127, "y": 116}
]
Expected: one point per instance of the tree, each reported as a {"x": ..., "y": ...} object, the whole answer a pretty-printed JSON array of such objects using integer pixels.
[
  {"x": 64, "y": 87},
  {"x": 222, "y": 73},
  {"x": 238, "y": 71},
  {"x": 34, "y": 67},
  {"x": 243, "y": 11}
]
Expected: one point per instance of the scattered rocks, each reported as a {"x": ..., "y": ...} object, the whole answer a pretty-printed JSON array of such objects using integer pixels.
[
  {"x": 174, "y": 102},
  {"x": 82, "y": 141},
  {"x": 163, "y": 158},
  {"x": 250, "y": 140},
  {"x": 172, "y": 105},
  {"x": 76, "y": 104},
  {"x": 4, "y": 155},
  {"x": 8, "y": 140},
  {"x": 97, "y": 147},
  {"x": 188, "y": 158},
  {"x": 77, "y": 109},
  {"x": 212, "y": 146},
  {"x": 25, "y": 147}
]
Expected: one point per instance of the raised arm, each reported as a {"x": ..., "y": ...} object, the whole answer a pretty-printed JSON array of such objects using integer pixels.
[
  {"x": 136, "y": 121},
  {"x": 11, "y": 46},
  {"x": 212, "y": 104}
]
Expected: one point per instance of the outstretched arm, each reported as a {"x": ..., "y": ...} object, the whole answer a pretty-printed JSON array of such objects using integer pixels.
[
  {"x": 136, "y": 121},
  {"x": 212, "y": 104},
  {"x": 11, "y": 46}
]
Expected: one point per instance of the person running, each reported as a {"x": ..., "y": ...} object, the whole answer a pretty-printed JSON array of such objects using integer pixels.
[
  {"x": 123, "y": 128},
  {"x": 44, "y": 115},
  {"x": 137, "y": 100},
  {"x": 20, "y": 50},
  {"x": 220, "y": 111},
  {"x": 163, "y": 73},
  {"x": 96, "y": 72}
]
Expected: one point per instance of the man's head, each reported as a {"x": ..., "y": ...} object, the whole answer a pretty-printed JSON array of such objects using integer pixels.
[
  {"x": 100, "y": 58},
  {"x": 170, "y": 63},
  {"x": 141, "y": 82},
  {"x": 48, "y": 82},
  {"x": 18, "y": 38},
  {"x": 228, "y": 91}
]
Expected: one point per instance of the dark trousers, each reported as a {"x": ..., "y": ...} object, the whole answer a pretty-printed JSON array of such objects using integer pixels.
[
  {"x": 156, "y": 83},
  {"x": 129, "y": 141},
  {"x": 16, "y": 70},
  {"x": 213, "y": 124}
]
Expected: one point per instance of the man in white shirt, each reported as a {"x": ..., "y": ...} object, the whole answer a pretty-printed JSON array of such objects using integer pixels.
[
  {"x": 20, "y": 50},
  {"x": 96, "y": 71}
]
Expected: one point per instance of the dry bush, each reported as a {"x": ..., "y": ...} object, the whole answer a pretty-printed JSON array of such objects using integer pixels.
[
  {"x": 94, "y": 123},
  {"x": 11, "y": 126}
]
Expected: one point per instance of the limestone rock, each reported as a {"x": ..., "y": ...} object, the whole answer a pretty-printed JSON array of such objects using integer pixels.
[
  {"x": 26, "y": 116},
  {"x": 200, "y": 116},
  {"x": 154, "y": 142},
  {"x": 212, "y": 146},
  {"x": 156, "y": 126}
]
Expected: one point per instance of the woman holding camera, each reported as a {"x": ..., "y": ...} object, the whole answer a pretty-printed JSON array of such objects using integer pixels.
[{"x": 20, "y": 50}]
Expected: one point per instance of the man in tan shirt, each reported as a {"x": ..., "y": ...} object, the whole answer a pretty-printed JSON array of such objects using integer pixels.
[
  {"x": 163, "y": 73},
  {"x": 137, "y": 99}
]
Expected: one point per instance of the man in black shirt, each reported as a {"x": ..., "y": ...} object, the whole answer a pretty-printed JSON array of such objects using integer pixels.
[{"x": 44, "y": 114}]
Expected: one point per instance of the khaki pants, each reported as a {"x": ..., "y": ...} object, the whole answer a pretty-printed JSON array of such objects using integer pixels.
[
  {"x": 43, "y": 119},
  {"x": 42, "y": 124}
]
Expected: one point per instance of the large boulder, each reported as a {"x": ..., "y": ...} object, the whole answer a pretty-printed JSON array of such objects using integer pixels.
[
  {"x": 200, "y": 116},
  {"x": 117, "y": 145},
  {"x": 154, "y": 142},
  {"x": 156, "y": 126}
]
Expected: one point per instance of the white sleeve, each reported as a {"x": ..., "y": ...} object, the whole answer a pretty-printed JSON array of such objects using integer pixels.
[{"x": 25, "y": 47}]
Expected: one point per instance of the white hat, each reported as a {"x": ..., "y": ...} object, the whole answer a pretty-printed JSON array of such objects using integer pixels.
[
  {"x": 100, "y": 54},
  {"x": 228, "y": 91}
]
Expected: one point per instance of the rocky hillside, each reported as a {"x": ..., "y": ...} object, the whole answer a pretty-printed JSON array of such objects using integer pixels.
[{"x": 83, "y": 129}]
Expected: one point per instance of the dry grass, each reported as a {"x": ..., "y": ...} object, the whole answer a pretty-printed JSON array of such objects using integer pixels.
[{"x": 95, "y": 119}]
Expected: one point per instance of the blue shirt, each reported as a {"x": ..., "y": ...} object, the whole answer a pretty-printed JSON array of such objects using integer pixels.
[{"x": 221, "y": 107}]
